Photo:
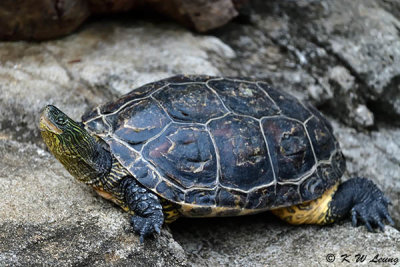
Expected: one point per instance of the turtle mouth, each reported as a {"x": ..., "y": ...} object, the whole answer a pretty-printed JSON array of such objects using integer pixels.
[{"x": 45, "y": 123}]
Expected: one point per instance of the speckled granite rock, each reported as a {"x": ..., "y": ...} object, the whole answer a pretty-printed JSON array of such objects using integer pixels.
[
  {"x": 101, "y": 62},
  {"x": 262, "y": 240}
]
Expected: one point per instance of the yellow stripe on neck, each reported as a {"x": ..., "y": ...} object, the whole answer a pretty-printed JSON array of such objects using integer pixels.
[{"x": 312, "y": 212}]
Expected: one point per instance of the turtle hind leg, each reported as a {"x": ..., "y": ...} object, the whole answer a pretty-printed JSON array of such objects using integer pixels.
[
  {"x": 364, "y": 201},
  {"x": 358, "y": 197},
  {"x": 147, "y": 211}
]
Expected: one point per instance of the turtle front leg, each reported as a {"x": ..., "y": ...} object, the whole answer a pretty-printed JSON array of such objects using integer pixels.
[
  {"x": 147, "y": 215},
  {"x": 358, "y": 197}
]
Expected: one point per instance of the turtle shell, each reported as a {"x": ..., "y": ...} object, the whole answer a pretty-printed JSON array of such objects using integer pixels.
[{"x": 217, "y": 142}]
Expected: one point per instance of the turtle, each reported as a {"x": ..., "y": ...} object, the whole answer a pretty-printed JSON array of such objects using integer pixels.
[{"x": 205, "y": 146}]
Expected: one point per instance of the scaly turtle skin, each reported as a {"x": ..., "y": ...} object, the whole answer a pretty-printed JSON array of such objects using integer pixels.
[{"x": 203, "y": 146}]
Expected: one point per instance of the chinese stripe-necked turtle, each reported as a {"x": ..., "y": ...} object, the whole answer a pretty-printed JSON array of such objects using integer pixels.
[{"x": 203, "y": 146}]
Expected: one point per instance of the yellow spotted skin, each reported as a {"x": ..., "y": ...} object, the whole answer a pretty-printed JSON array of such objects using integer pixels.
[
  {"x": 313, "y": 212},
  {"x": 170, "y": 211}
]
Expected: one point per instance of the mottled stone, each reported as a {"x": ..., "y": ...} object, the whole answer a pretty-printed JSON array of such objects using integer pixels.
[
  {"x": 265, "y": 241},
  {"x": 93, "y": 67}
]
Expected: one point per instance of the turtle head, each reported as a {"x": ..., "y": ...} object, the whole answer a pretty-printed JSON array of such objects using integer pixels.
[
  {"x": 58, "y": 123},
  {"x": 81, "y": 154}
]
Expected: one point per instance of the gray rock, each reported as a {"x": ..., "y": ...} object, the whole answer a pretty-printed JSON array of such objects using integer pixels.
[
  {"x": 338, "y": 90},
  {"x": 30, "y": 77},
  {"x": 356, "y": 35},
  {"x": 262, "y": 240},
  {"x": 93, "y": 66},
  {"x": 318, "y": 37}
]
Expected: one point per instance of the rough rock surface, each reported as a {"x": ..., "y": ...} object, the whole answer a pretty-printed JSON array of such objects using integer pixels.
[
  {"x": 45, "y": 214},
  {"x": 333, "y": 49},
  {"x": 261, "y": 240},
  {"x": 103, "y": 61}
]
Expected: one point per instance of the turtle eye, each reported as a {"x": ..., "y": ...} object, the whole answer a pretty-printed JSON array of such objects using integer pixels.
[
  {"x": 61, "y": 120},
  {"x": 286, "y": 136}
]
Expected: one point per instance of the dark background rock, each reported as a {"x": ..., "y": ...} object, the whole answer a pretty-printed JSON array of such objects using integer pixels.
[
  {"x": 101, "y": 7},
  {"x": 201, "y": 15},
  {"x": 49, "y": 19},
  {"x": 291, "y": 44},
  {"x": 39, "y": 20}
]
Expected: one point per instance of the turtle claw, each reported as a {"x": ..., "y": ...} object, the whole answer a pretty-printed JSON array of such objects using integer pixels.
[
  {"x": 387, "y": 201},
  {"x": 389, "y": 218},
  {"x": 157, "y": 229},
  {"x": 381, "y": 225},
  {"x": 145, "y": 226},
  {"x": 371, "y": 213},
  {"x": 141, "y": 239},
  {"x": 353, "y": 218}
]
